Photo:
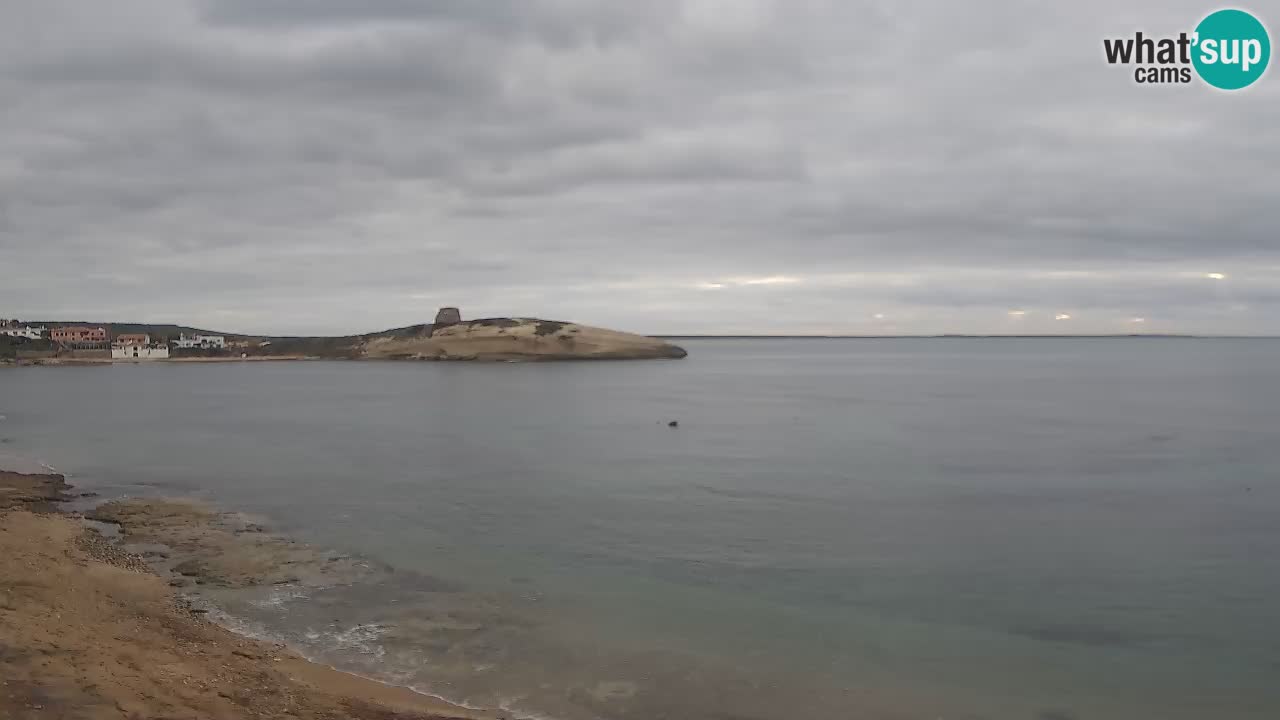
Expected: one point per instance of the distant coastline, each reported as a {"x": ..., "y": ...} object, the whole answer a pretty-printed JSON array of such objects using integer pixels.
[{"x": 447, "y": 338}]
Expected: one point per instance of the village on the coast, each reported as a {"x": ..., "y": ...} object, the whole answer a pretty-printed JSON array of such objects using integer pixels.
[{"x": 104, "y": 342}]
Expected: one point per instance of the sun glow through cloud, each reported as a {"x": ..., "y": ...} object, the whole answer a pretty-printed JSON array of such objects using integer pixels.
[{"x": 771, "y": 280}]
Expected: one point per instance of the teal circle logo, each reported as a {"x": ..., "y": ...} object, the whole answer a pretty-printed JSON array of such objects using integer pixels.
[{"x": 1232, "y": 49}]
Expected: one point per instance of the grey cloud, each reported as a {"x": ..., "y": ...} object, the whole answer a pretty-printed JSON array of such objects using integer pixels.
[
  {"x": 259, "y": 13},
  {"x": 424, "y": 65},
  {"x": 556, "y": 22},
  {"x": 1153, "y": 295},
  {"x": 328, "y": 166}
]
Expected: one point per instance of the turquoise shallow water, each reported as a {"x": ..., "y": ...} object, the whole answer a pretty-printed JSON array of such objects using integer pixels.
[{"x": 1039, "y": 529}]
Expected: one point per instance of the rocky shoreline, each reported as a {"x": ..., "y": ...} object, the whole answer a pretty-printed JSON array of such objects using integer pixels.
[{"x": 92, "y": 631}]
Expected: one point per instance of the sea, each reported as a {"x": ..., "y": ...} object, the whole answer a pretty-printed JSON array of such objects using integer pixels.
[{"x": 891, "y": 529}]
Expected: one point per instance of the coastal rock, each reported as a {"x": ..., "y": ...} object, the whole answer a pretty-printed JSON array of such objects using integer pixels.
[
  {"x": 213, "y": 548},
  {"x": 505, "y": 339},
  {"x": 35, "y": 492}
]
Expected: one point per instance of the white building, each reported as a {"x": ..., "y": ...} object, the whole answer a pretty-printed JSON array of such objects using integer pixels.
[
  {"x": 139, "y": 352},
  {"x": 25, "y": 331},
  {"x": 204, "y": 342}
]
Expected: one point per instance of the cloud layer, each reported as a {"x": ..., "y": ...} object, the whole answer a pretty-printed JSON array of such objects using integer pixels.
[{"x": 671, "y": 166}]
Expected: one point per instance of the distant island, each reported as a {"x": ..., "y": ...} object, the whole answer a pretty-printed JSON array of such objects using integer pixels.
[{"x": 447, "y": 338}]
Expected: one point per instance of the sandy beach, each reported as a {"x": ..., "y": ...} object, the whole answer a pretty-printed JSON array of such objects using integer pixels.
[{"x": 89, "y": 631}]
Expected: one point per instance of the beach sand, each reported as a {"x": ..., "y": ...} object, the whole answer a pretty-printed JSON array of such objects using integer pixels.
[{"x": 88, "y": 631}]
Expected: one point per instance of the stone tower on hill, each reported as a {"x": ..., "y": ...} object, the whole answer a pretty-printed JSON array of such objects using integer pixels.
[{"x": 445, "y": 317}]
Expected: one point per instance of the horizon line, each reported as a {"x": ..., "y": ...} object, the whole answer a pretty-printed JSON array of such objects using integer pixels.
[
  {"x": 932, "y": 336},
  {"x": 728, "y": 336}
]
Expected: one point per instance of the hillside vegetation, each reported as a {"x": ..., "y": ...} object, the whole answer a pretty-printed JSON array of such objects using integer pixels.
[{"x": 514, "y": 339}]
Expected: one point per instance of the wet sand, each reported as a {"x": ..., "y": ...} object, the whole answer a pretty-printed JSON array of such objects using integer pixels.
[{"x": 90, "y": 631}]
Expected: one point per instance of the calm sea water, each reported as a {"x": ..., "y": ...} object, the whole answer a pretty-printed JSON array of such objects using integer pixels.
[{"x": 953, "y": 528}]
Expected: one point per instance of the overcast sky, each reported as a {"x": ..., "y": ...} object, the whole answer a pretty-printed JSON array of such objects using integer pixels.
[{"x": 665, "y": 166}]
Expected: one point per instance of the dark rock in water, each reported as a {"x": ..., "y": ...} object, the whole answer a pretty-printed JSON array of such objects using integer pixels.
[{"x": 674, "y": 423}]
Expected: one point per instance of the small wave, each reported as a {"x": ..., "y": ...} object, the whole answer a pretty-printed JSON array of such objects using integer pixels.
[
  {"x": 747, "y": 494},
  {"x": 507, "y": 706},
  {"x": 280, "y": 597},
  {"x": 362, "y": 639},
  {"x": 237, "y": 625}
]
